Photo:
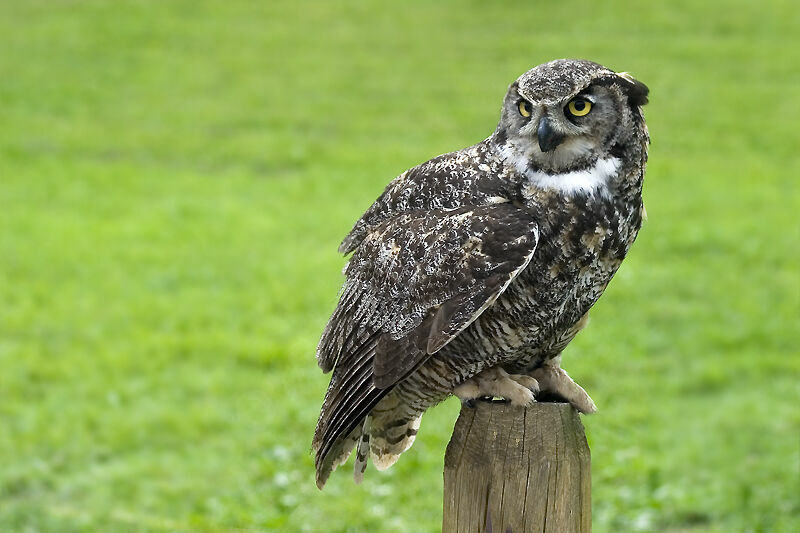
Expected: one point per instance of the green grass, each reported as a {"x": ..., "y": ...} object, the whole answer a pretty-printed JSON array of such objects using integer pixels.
[{"x": 175, "y": 178}]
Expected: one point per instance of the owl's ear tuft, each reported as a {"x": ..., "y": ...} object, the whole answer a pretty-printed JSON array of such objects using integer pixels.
[{"x": 637, "y": 91}]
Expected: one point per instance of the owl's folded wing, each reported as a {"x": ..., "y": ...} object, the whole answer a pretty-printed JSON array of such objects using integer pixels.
[{"x": 414, "y": 283}]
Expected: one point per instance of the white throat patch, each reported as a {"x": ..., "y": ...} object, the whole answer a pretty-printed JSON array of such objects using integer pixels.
[{"x": 593, "y": 180}]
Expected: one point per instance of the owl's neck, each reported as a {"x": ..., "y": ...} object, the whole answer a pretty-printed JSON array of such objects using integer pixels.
[
  {"x": 615, "y": 177},
  {"x": 594, "y": 180}
]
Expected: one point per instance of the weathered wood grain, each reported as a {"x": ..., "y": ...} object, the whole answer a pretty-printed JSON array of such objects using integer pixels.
[{"x": 514, "y": 470}]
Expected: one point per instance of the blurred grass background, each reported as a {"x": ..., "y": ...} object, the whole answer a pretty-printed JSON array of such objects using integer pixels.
[{"x": 175, "y": 178}]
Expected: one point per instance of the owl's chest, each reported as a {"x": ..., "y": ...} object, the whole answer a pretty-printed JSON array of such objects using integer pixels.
[
  {"x": 578, "y": 253},
  {"x": 571, "y": 269},
  {"x": 583, "y": 239}
]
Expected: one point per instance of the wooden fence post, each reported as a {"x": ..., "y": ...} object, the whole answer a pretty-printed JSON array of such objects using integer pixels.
[{"x": 513, "y": 470}]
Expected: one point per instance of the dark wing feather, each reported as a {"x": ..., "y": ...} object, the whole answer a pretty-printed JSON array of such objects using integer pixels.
[{"x": 415, "y": 282}]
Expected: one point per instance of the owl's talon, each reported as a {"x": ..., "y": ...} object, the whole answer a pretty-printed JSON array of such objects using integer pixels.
[
  {"x": 555, "y": 379},
  {"x": 469, "y": 402},
  {"x": 495, "y": 383}
]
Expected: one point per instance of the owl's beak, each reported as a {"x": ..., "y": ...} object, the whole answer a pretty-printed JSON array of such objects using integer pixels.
[{"x": 548, "y": 137}]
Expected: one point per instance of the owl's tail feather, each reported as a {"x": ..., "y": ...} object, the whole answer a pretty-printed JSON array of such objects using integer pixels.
[
  {"x": 362, "y": 452},
  {"x": 372, "y": 440},
  {"x": 388, "y": 441}
]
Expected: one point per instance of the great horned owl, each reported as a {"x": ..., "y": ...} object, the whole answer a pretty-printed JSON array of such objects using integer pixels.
[{"x": 473, "y": 271}]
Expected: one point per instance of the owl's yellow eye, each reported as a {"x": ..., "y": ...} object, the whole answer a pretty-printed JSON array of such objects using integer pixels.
[
  {"x": 525, "y": 108},
  {"x": 579, "y": 107}
]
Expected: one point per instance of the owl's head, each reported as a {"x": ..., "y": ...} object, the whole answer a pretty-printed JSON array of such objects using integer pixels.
[{"x": 564, "y": 115}]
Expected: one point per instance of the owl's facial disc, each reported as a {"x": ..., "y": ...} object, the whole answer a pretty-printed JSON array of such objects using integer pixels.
[{"x": 561, "y": 135}]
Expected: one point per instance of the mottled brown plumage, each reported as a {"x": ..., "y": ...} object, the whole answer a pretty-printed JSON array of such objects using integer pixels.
[{"x": 473, "y": 271}]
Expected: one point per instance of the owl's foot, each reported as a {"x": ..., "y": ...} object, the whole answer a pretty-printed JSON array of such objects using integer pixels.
[
  {"x": 495, "y": 382},
  {"x": 554, "y": 379}
]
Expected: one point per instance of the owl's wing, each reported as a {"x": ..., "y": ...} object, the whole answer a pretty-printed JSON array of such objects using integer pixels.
[{"x": 414, "y": 283}]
